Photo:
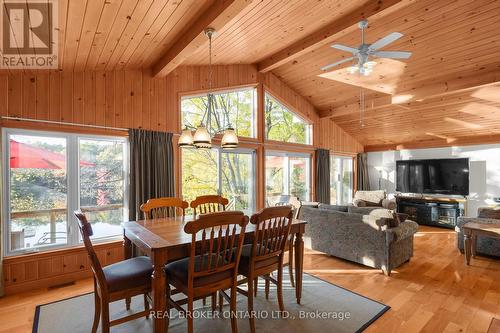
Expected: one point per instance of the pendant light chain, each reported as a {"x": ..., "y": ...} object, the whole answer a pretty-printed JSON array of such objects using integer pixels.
[{"x": 210, "y": 76}]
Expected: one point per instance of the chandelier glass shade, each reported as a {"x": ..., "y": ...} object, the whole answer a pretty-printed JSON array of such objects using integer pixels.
[{"x": 202, "y": 137}]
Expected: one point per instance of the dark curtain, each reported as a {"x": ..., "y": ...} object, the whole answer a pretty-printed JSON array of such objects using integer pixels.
[
  {"x": 363, "y": 180},
  {"x": 151, "y": 168},
  {"x": 323, "y": 176}
]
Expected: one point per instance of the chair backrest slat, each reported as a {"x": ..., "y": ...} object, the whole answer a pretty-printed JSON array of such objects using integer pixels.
[
  {"x": 272, "y": 227},
  {"x": 86, "y": 231},
  {"x": 208, "y": 204},
  {"x": 164, "y": 207},
  {"x": 217, "y": 234}
]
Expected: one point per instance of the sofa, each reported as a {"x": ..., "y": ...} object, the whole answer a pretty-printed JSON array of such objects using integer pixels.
[
  {"x": 360, "y": 236},
  {"x": 485, "y": 245},
  {"x": 373, "y": 199}
]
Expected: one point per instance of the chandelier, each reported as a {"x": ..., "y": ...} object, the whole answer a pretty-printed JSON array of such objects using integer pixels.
[{"x": 202, "y": 138}]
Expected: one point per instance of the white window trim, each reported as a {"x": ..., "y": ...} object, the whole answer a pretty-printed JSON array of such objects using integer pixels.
[
  {"x": 286, "y": 181},
  {"x": 252, "y": 187},
  {"x": 340, "y": 190},
  {"x": 73, "y": 179}
]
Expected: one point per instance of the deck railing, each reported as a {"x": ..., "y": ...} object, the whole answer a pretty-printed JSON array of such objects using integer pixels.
[{"x": 51, "y": 236}]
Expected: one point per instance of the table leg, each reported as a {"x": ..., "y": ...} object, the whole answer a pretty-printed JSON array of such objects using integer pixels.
[
  {"x": 299, "y": 263},
  {"x": 159, "y": 290},
  {"x": 473, "y": 245},
  {"x": 467, "y": 246}
]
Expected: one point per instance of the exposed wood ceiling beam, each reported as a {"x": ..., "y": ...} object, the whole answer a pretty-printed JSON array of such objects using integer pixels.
[
  {"x": 435, "y": 143},
  {"x": 191, "y": 39},
  {"x": 410, "y": 98},
  {"x": 329, "y": 33}
]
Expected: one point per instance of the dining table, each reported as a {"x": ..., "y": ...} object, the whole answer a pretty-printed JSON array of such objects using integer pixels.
[{"x": 164, "y": 240}]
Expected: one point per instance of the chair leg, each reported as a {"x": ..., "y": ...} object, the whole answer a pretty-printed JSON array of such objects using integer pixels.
[
  {"x": 250, "y": 304},
  {"x": 214, "y": 302},
  {"x": 221, "y": 301},
  {"x": 280, "y": 287},
  {"x": 267, "y": 287},
  {"x": 232, "y": 305},
  {"x": 128, "y": 301},
  {"x": 104, "y": 317},
  {"x": 290, "y": 261},
  {"x": 146, "y": 305},
  {"x": 97, "y": 311},
  {"x": 255, "y": 286},
  {"x": 190, "y": 314}
]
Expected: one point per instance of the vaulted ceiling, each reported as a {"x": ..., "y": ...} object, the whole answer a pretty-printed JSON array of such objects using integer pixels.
[{"x": 448, "y": 89}]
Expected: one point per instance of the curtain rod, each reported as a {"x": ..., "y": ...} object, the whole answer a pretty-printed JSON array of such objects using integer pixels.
[{"x": 64, "y": 123}]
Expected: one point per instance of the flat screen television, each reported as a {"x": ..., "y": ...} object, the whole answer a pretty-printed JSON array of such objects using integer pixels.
[{"x": 438, "y": 176}]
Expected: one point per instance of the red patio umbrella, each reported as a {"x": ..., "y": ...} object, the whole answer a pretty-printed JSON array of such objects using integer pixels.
[{"x": 23, "y": 155}]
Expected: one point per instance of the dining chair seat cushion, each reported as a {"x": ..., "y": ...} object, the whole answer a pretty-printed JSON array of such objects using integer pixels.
[
  {"x": 128, "y": 274},
  {"x": 246, "y": 254},
  {"x": 177, "y": 271}
]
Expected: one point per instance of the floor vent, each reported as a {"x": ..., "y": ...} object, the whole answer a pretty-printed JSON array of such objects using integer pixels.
[{"x": 57, "y": 286}]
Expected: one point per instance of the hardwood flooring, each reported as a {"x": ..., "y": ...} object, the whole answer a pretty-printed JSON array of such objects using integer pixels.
[{"x": 434, "y": 292}]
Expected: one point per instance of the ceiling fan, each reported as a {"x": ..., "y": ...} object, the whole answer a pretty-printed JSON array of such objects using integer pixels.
[{"x": 365, "y": 51}]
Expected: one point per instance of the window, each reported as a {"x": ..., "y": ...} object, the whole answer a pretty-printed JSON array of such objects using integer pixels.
[
  {"x": 236, "y": 107},
  {"x": 214, "y": 171},
  {"x": 287, "y": 175},
  {"x": 341, "y": 180},
  {"x": 284, "y": 125},
  {"x": 48, "y": 176}
]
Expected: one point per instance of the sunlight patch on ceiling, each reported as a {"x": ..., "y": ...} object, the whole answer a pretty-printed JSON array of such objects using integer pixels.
[
  {"x": 384, "y": 78},
  {"x": 462, "y": 123},
  {"x": 482, "y": 110},
  {"x": 490, "y": 93},
  {"x": 448, "y": 139}
]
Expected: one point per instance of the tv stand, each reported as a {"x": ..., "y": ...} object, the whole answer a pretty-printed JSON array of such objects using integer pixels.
[{"x": 434, "y": 211}]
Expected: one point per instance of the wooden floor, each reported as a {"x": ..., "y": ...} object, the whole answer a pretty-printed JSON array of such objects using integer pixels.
[{"x": 435, "y": 292}]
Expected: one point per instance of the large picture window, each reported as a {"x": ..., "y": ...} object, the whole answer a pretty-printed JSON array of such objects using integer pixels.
[
  {"x": 287, "y": 175},
  {"x": 49, "y": 175},
  {"x": 284, "y": 125},
  {"x": 235, "y": 107},
  {"x": 341, "y": 180},
  {"x": 214, "y": 171}
]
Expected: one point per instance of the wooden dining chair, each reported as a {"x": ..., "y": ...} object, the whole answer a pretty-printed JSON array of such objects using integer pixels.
[
  {"x": 212, "y": 264},
  {"x": 290, "y": 253},
  {"x": 265, "y": 254},
  {"x": 164, "y": 207},
  {"x": 208, "y": 204},
  {"x": 122, "y": 280}
]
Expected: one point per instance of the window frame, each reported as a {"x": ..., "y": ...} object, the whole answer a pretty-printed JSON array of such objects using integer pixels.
[
  {"x": 220, "y": 151},
  {"x": 200, "y": 93},
  {"x": 286, "y": 177},
  {"x": 310, "y": 127},
  {"x": 341, "y": 171},
  {"x": 73, "y": 186}
]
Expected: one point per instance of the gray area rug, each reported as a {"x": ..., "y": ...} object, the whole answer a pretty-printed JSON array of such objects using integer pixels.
[{"x": 325, "y": 308}]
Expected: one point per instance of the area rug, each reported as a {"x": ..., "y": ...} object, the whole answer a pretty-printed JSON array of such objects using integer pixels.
[{"x": 325, "y": 307}]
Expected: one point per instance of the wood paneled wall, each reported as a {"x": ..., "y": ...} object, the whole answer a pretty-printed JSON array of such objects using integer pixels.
[{"x": 133, "y": 99}]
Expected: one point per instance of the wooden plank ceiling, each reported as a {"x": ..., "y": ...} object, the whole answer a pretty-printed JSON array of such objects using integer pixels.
[{"x": 448, "y": 88}]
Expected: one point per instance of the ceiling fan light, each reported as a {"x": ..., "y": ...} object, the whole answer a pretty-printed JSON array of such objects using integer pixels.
[
  {"x": 230, "y": 139},
  {"x": 186, "y": 138},
  {"x": 201, "y": 138},
  {"x": 352, "y": 69},
  {"x": 369, "y": 64}
]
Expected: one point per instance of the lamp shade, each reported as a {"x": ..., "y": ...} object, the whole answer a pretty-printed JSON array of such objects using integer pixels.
[
  {"x": 201, "y": 138},
  {"x": 230, "y": 139},
  {"x": 186, "y": 138}
]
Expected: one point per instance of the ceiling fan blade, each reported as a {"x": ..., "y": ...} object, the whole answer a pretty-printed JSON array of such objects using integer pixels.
[
  {"x": 385, "y": 41},
  {"x": 393, "y": 54},
  {"x": 324, "y": 68},
  {"x": 345, "y": 48}
]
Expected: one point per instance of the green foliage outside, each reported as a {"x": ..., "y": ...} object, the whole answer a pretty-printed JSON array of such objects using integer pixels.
[{"x": 283, "y": 125}]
